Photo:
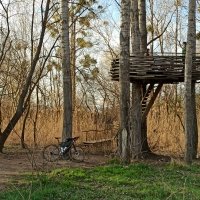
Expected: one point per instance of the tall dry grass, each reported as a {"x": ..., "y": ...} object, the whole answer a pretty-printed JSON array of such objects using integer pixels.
[
  {"x": 165, "y": 131},
  {"x": 49, "y": 126},
  {"x": 165, "y": 126}
]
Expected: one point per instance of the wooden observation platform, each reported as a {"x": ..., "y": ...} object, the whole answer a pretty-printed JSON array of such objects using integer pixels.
[
  {"x": 157, "y": 69},
  {"x": 154, "y": 71}
]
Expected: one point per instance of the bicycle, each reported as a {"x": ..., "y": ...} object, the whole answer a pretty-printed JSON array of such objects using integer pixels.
[{"x": 66, "y": 150}]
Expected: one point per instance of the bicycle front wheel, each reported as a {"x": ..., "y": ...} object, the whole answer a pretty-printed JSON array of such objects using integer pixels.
[
  {"x": 51, "y": 153},
  {"x": 77, "y": 154}
]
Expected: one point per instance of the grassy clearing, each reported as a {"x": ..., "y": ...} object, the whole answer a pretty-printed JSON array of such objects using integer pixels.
[{"x": 137, "y": 181}]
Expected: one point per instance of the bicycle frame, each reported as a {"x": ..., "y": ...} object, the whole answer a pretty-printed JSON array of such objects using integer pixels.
[{"x": 65, "y": 150}]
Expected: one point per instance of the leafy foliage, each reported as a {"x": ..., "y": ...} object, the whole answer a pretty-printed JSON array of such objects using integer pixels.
[
  {"x": 87, "y": 61},
  {"x": 83, "y": 43}
]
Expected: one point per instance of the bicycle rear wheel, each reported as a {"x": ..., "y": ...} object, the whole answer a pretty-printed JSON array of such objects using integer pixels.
[
  {"x": 77, "y": 154},
  {"x": 51, "y": 153}
]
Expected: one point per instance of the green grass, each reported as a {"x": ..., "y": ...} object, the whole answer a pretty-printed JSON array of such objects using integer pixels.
[{"x": 137, "y": 181}]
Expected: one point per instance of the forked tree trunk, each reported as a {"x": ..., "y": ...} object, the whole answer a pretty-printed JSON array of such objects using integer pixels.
[{"x": 124, "y": 136}]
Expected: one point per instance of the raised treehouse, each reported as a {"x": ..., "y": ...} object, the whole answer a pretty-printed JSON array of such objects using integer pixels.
[{"x": 154, "y": 71}]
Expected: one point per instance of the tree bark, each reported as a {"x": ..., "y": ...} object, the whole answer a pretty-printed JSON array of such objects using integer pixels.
[
  {"x": 136, "y": 115},
  {"x": 73, "y": 61},
  {"x": 136, "y": 111},
  {"x": 142, "y": 26},
  {"x": 124, "y": 137},
  {"x": 24, "y": 127},
  {"x": 195, "y": 136},
  {"x": 143, "y": 31},
  {"x": 151, "y": 3},
  {"x": 189, "y": 119},
  {"x": 67, "y": 82}
]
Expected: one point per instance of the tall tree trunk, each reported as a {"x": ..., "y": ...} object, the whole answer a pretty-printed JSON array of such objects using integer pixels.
[
  {"x": 73, "y": 61},
  {"x": 177, "y": 23},
  {"x": 195, "y": 136},
  {"x": 24, "y": 127},
  {"x": 177, "y": 4},
  {"x": 25, "y": 95},
  {"x": 67, "y": 82},
  {"x": 143, "y": 31},
  {"x": 143, "y": 26},
  {"x": 189, "y": 107},
  {"x": 124, "y": 137},
  {"x": 193, "y": 100},
  {"x": 36, "y": 117},
  {"x": 136, "y": 111},
  {"x": 151, "y": 2}
]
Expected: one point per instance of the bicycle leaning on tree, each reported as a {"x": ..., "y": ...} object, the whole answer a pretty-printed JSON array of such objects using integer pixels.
[{"x": 67, "y": 150}]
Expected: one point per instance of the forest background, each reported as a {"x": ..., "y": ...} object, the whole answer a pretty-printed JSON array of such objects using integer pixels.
[{"x": 94, "y": 41}]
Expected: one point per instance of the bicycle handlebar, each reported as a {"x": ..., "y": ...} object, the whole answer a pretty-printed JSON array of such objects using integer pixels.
[{"x": 74, "y": 138}]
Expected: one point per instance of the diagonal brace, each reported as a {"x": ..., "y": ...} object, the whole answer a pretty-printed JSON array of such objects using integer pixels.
[{"x": 151, "y": 102}]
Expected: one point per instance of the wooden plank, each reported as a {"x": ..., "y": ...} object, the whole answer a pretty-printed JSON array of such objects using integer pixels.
[{"x": 98, "y": 141}]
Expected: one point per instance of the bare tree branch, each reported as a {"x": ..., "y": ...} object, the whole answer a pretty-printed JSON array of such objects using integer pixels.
[{"x": 162, "y": 32}]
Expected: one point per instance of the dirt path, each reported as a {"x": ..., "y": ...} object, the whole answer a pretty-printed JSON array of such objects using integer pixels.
[{"x": 15, "y": 162}]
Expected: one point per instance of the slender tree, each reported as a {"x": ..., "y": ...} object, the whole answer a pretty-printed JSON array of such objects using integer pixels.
[
  {"x": 151, "y": 3},
  {"x": 67, "y": 82},
  {"x": 27, "y": 89},
  {"x": 189, "y": 119}
]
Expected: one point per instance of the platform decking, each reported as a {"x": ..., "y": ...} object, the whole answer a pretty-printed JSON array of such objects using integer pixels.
[{"x": 165, "y": 69}]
